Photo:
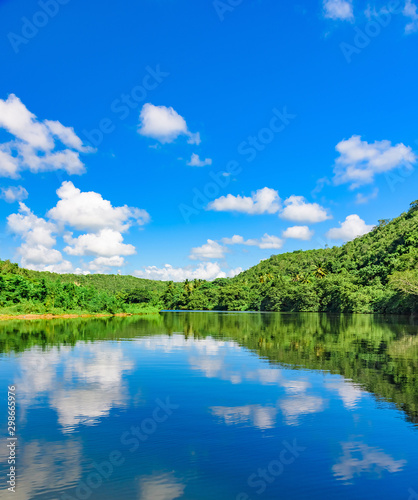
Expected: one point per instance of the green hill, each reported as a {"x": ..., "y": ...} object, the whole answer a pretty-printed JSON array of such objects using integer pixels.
[
  {"x": 27, "y": 291},
  {"x": 375, "y": 273}
]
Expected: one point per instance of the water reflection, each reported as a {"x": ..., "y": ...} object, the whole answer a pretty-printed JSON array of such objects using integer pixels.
[
  {"x": 82, "y": 384},
  {"x": 295, "y": 407},
  {"x": 349, "y": 393},
  {"x": 262, "y": 417},
  {"x": 160, "y": 487},
  {"x": 46, "y": 465},
  {"x": 344, "y": 388},
  {"x": 358, "y": 458}
]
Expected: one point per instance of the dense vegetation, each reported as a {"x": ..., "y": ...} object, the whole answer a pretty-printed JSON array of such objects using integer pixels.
[
  {"x": 24, "y": 291},
  {"x": 375, "y": 273}
]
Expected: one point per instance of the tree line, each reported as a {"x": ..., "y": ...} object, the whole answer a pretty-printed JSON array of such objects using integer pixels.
[{"x": 375, "y": 273}]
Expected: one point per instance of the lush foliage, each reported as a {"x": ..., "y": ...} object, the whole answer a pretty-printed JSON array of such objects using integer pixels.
[
  {"x": 373, "y": 273},
  {"x": 23, "y": 291}
]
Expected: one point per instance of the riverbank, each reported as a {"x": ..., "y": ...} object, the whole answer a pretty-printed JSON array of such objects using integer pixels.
[{"x": 32, "y": 316}]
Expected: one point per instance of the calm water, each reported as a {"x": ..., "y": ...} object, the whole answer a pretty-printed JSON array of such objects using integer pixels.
[{"x": 213, "y": 406}]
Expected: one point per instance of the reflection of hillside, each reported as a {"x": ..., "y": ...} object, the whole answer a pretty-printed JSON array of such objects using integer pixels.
[
  {"x": 18, "y": 335},
  {"x": 379, "y": 353}
]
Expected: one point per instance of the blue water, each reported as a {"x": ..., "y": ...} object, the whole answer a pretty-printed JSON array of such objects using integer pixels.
[{"x": 228, "y": 406}]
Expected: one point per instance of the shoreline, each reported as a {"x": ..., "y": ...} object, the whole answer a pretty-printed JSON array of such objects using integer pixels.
[{"x": 6, "y": 317}]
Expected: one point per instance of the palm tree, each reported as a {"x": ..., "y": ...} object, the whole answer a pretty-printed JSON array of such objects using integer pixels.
[
  {"x": 319, "y": 270},
  {"x": 301, "y": 278}
]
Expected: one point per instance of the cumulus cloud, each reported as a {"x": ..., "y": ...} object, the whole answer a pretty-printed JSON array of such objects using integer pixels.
[
  {"x": 410, "y": 10},
  {"x": 81, "y": 211},
  {"x": 210, "y": 250},
  {"x": 206, "y": 271},
  {"x": 102, "y": 264},
  {"x": 164, "y": 124},
  {"x": 298, "y": 233},
  {"x": 298, "y": 210},
  {"x": 38, "y": 239},
  {"x": 264, "y": 242},
  {"x": 195, "y": 161},
  {"x": 352, "y": 227},
  {"x": 360, "y": 161},
  {"x": 338, "y": 9},
  {"x": 36, "y": 145},
  {"x": 105, "y": 243},
  {"x": 263, "y": 201},
  {"x": 13, "y": 193},
  {"x": 91, "y": 212}
]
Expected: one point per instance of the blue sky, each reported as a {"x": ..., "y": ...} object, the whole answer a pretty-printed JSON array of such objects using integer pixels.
[{"x": 193, "y": 139}]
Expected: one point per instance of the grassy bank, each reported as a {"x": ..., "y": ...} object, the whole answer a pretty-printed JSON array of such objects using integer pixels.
[{"x": 41, "y": 312}]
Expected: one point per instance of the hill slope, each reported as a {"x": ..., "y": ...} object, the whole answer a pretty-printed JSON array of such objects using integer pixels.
[{"x": 376, "y": 272}]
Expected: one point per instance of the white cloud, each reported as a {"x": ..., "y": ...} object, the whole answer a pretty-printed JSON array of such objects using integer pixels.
[
  {"x": 352, "y": 227},
  {"x": 206, "y": 271},
  {"x": 164, "y": 124},
  {"x": 38, "y": 239},
  {"x": 298, "y": 210},
  {"x": 89, "y": 211},
  {"x": 235, "y": 240},
  {"x": 264, "y": 242},
  {"x": 106, "y": 243},
  {"x": 20, "y": 122},
  {"x": 39, "y": 254},
  {"x": 338, "y": 9},
  {"x": 33, "y": 229},
  {"x": 103, "y": 264},
  {"x": 410, "y": 10},
  {"x": 9, "y": 165},
  {"x": 195, "y": 161},
  {"x": 66, "y": 135},
  {"x": 78, "y": 210},
  {"x": 298, "y": 233},
  {"x": 360, "y": 161},
  {"x": 12, "y": 194},
  {"x": 34, "y": 146},
  {"x": 264, "y": 200},
  {"x": 210, "y": 250}
]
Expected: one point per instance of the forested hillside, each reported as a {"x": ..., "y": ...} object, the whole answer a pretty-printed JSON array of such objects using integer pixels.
[
  {"x": 373, "y": 273},
  {"x": 27, "y": 291}
]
